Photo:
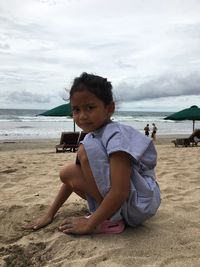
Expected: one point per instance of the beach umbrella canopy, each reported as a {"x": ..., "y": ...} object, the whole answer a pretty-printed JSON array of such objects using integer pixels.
[
  {"x": 59, "y": 111},
  {"x": 192, "y": 113}
]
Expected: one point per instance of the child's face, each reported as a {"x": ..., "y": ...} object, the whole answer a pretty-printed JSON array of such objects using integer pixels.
[{"x": 89, "y": 112}]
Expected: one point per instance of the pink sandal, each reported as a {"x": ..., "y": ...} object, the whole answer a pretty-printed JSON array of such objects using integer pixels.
[{"x": 108, "y": 227}]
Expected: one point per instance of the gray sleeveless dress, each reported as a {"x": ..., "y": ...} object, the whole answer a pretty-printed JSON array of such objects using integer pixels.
[{"x": 144, "y": 196}]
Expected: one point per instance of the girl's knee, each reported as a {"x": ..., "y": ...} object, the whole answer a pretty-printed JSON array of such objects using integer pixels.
[
  {"x": 70, "y": 172},
  {"x": 65, "y": 173},
  {"x": 62, "y": 174}
]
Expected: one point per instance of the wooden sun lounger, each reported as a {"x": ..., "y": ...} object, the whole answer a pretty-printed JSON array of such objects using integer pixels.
[
  {"x": 69, "y": 141},
  {"x": 184, "y": 142},
  {"x": 192, "y": 140}
]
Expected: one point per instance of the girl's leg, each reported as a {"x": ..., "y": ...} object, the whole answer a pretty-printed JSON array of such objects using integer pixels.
[
  {"x": 80, "y": 178},
  {"x": 76, "y": 178},
  {"x": 83, "y": 184}
]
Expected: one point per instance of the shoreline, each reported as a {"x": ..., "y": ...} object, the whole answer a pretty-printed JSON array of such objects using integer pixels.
[{"x": 51, "y": 143}]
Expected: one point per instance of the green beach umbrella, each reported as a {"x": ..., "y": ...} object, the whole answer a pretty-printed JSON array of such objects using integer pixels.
[
  {"x": 192, "y": 113},
  {"x": 59, "y": 111}
]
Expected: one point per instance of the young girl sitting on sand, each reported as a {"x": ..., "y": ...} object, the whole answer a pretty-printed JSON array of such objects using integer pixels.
[{"x": 114, "y": 170}]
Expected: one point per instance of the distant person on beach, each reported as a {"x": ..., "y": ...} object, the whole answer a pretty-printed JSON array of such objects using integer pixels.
[
  {"x": 154, "y": 130},
  {"x": 114, "y": 170},
  {"x": 146, "y": 130}
]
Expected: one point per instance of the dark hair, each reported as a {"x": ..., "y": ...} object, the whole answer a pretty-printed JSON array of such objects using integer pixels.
[{"x": 96, "y": 85}]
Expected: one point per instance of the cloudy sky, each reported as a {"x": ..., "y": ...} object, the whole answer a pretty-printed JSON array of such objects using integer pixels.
[{"x": 149, "y": 49}]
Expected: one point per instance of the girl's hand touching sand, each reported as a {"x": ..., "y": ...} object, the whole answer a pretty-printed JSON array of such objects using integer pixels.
[
  {"x": 39, "y": 222},
  {"x": 76, "y": 226}
]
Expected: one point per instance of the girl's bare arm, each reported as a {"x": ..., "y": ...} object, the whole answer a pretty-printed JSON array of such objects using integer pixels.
[{"x": 120, "y": 168}]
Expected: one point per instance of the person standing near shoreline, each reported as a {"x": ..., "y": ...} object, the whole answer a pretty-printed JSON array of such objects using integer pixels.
[
  {"x": 146, "y": 130},
  {"x": 154, "y": 130}
]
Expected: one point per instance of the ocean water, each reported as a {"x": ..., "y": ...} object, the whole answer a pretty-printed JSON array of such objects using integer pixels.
[{"x": 25, "y": 124}]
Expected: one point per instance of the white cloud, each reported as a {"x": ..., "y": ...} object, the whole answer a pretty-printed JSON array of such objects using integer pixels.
[
  {"x": 163, "y": 86},
  {"x": 25, "y": 96},
  {"x": 148, "y": 49}
]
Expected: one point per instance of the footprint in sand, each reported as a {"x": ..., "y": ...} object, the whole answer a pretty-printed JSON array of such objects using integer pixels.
[{"x": 8, "y": 171}]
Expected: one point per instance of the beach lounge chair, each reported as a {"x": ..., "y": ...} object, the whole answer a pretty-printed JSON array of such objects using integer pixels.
[
  {"x": 69, "y": 141},
  {"x": 181, "y": 142},
  {"x": 192, "y": 140}
]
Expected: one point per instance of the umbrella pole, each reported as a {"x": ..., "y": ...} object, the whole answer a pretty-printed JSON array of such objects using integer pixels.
[
  {"x": 193, "y": 124},
  {"x": 74, "y": 126}
]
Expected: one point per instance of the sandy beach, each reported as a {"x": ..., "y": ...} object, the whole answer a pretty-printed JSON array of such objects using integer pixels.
[{"x": 29, "y": 181}]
